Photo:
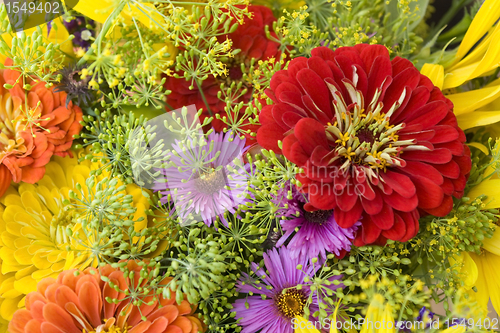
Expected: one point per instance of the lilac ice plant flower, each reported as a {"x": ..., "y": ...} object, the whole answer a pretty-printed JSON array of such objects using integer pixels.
[
  {"x": 205, "y": 179},
  {"x": 311, "y": 234},
  {"x": 278, "y": 294}
]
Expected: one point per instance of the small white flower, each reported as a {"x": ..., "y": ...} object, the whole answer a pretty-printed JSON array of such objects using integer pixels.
[{"x": 86, "y": 34}]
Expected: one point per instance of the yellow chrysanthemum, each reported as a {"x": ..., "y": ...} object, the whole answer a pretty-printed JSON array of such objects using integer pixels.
[
  {"x": 477, "y": 56},
  {"x": 34, "y": 243}
]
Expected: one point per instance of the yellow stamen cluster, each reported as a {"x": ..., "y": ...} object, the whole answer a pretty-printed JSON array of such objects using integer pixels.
[
  {"x": 362, "y": 133},
  {"x": 291, "y": 303}
]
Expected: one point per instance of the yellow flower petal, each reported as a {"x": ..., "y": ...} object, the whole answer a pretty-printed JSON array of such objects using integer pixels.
[
  {"x": 482, "y": 294},
  {"x": 472, "y": 100},
  {"x": 435, "y": 73},
  {"x": 493, "y": 244},
  {"x": 96, "y": 10},
  {"x": 484, "y": 19},
  {"x": 478, "y": 118},
  {"x": 486, "y": 64},
  {"x": 477, "y": 53},
  {"x": 490, "y": 188},
  {"x": 479, "y": 146}
]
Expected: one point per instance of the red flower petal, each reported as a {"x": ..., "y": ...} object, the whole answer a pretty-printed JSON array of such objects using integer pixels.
[
  {"x": 349, "y": 218},
  {"x": 399, "y": 183},
  {"x": 398, "y": 230},
  {"x": 268, "y": 136}
]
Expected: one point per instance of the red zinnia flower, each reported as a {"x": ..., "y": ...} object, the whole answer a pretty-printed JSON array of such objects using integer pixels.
[
  {"x": 378, "y": 142},
  {"x": 251, "y": 39}
]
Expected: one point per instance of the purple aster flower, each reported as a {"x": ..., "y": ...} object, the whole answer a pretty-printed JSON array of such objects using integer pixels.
[
  {"x": 276, "y": 300},
  {"x": 206, "y": 180},
  {"x": 314, "y": 233}
]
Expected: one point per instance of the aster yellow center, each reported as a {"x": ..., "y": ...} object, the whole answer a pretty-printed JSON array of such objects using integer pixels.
[
  {"x": 362, "y": 133},
  {"x": 291, "y": 303}
]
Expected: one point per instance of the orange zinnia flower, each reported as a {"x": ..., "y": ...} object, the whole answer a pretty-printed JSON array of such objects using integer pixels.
[
  {"x": 76, "y": 303},
  {"x": 34, "y": 125}
]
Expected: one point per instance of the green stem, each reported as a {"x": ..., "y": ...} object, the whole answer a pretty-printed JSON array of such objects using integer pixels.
[
  {"x": 204, "y": 99},
  {"x": 450, "y": 14}
]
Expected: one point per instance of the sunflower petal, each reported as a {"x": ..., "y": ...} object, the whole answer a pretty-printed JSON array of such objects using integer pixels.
[
  {"x": 472, "y": 100},
  {"x": 435, "y": 73},
  {"x": 478, "y": 118},
  {"x": 484, "y": 19}
]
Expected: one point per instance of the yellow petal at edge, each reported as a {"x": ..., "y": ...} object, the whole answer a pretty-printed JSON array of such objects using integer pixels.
[
  {"x": 478, "y": 118},
  {"x": 479, "y": 146},
  {"x": 435, "y": 73},
  {"x": 474, "y": 99},
  {"x": 94, "y": 9},
  {"x": 484, "y": 19},
  {"x": 490, "y": 188},
  {"x": 493, "y": 244}
]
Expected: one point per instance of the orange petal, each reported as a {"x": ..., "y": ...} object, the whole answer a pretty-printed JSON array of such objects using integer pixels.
[
  {"x": 64, "y": 295},
  {"x": 141, "y": 327},
  {"x": 37, "y": 310},
  {"x": 5, "y": 179},
  {"x": 33, "y": 326},
  {"x": 35, "y": 104},
  {"x": 68, "y": 278},
  {"x": 50, "y": 328},
  {"x": 78, "y": 316},
  {"x": 50, "y": 292},
  {"x": 90, "y": 296},
  {"x": 122, "y": 318},
  {"x": 143, "y": 310},
  {"x": 43, "y": 284},
  {"x": 46, "y": 98},
  {"x": 41, "y": 145},
  {"x": 32, "y": 175},
  {"x": 11, "y": 163},
  {"x": 87, "y": 278},
  {"x": 19, "y": 320},
  {"x": 184, "y": 308},
  {"x": 61, "y": 319},
  {"x": 170, "y": 312},
  {"x": 107, "y": 291},
  {"x": 158, "y": 326},
  {"x": 184, "y": 324},
  {"x": 173, "y": 329},
  {"x": 44, "y": 158},
  {"x": 32, "y": 297}
]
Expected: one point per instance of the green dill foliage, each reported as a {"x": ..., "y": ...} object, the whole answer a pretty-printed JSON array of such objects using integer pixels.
[
  {"x": 336, "y": 23},
  {"x": 202, "y": 266},
  {"x": 442, "y": 240},
  {"x": 108, "y": 220},
  {"x": 34, "y": 56},
  {"x": 107, "y": 136},
  {"x": 270, "y": 173},
  {"x": 152, "y": 53},
  {"x": 241, "y": 239}
]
